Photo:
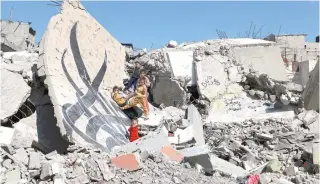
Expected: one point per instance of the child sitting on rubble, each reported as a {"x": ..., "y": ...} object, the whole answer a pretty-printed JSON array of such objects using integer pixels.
[
  {"x": 118, "y": 98},
  {"x": 139, "y": 98},
  {"x": 134, "y": 131}
]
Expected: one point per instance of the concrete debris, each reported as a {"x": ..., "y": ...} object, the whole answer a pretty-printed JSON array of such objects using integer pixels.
[{"x": 215, "y": 109}]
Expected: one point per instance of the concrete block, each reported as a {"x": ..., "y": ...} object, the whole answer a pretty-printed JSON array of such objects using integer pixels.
[
  {"x": 55, "y": 167},
  {"x": 211, "y": 77},
  {"x": 264, "y": 60},
  {"x": 77, "y": 66},
  {"x": 182, "y": 65},
  {"x": 21, "y": 155},
  {"x": 46, "y": 171},
  {"x": 227, "y": 167},
  {"x": 310, "y": 117},
  {"x": 171, "y": 153},
  {"x": 34, "y": 161},
  {"x": 13, "y": 177},
  {"x": 194, "y": 151},
  {"x": 24, "y": 135},
  {"x": 14, "y": 92},
  {"x": 130, "y": 161},
  {"x": 6, "y": 135}
]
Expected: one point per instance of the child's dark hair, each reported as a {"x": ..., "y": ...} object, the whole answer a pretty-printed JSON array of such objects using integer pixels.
[{"x": 115, "y": 88}]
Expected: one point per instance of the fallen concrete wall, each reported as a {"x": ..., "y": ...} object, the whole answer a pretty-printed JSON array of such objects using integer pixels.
[
  {"x": 311, "y": 92},
  {"x": 79, "y": 57},
  {"x": 265, "y": 60}
]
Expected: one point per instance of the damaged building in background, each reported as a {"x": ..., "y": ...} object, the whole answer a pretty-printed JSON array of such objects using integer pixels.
[
  {"x": 223, "y": 110},
  {"x": 17, "y": 36}
]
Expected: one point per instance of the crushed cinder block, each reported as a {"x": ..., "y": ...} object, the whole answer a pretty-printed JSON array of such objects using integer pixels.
[
  {"x": 34, "y": 161},
  {"x": 130, "y": 161},
  {"x": 171, "y": 153}
]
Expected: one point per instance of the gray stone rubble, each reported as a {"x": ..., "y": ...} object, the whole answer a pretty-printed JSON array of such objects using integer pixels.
[{"x": 232, "y": 116}]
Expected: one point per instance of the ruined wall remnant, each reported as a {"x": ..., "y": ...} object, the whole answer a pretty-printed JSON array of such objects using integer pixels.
[
  {"x": 79, "y": 58},
  {"x": 311, "y": 92},
  {"x": 16, "y": 36},
  {"x": 264, "y": 60}
]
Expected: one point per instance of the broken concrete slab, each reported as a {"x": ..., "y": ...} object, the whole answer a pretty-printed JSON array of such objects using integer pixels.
[
  {"x": 194, "y": 151},
  {"x": 14, "y": 92},
  {"x": 6, "y": 135},
  {"x": 24, "y": 135},
  {"x": 263, "y": 59},
  {"x": 227, "y": 167},
  {"x": 311, "y": 92},
  {"x": 195, "y": 118},
  {"x": 211, "y": 77},
  {"x": 76, "y": 70},
  {"x": 168, "y": 92},
  {"x": 154, "y": 141},
  {"x": 21, "y": 155},
  {"x": 310, "y": 117},
  {"x": 182, "y": 65}
]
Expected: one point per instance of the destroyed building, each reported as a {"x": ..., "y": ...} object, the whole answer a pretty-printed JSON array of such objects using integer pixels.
[
  {"x": 235, "y": 113},
  {"x": 17, "y": 36}
]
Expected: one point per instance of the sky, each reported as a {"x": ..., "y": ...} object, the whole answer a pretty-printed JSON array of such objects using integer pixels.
[{"x": 154, "y": 24}]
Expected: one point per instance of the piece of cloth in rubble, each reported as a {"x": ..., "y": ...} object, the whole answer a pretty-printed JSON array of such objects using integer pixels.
[
  {"x": 134, "y": 135},
  {"x": 253, "y": 179}
]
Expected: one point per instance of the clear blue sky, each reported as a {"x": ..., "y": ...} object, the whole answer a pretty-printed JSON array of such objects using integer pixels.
[{"x": 144, "y": 23}]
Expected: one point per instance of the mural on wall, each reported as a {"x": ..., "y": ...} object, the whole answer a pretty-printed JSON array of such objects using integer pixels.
[{"x": 105, "y": 124}]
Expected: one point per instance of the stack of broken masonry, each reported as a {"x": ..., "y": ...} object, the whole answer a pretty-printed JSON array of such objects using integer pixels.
[{"x": 235, "y": 118}]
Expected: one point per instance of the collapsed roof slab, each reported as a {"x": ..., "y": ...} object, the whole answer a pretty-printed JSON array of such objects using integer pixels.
[
  {"x": 311, "y": 92},
  {"x": 79, "y": 58},
  {"x": 14, "y": 92},
  {"x": 182, "y": 65},
  {"x": 263, "y": 59}
]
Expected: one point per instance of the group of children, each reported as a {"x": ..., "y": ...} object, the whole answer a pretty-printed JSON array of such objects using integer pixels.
[{"x": 140, "y": 84}]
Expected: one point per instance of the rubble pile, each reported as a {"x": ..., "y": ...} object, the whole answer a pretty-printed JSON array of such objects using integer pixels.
[
  {"x": 284, "y": 148},
  {"x": 86, "y": 165},
  {"x": 217, "y": 115}
]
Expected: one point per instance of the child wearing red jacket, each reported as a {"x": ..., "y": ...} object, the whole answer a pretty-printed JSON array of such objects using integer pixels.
[{"x": 133, "y": 130}]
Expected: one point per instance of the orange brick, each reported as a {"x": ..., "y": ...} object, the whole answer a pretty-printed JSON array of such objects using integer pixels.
[
  {"x": 128, "y": 161},
  {"x": 171, "y": 153}
]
